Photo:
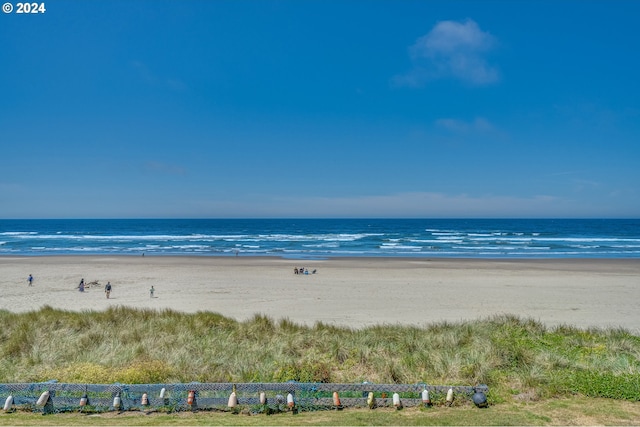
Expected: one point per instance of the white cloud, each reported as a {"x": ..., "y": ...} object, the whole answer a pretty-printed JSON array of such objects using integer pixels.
[
  {"x": 449, "y": 37},
  {"x": 451, "y": 50}
]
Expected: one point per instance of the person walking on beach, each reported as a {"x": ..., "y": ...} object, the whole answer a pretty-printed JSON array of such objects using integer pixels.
[
  {"x": 30, "y": 280},
  {"x": 81, "y": 285},
  {"x": 107, "y": 289},
  {"x": 151, "y": 291}
]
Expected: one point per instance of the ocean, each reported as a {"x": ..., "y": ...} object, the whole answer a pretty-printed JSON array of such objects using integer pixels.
[{"x": 326, "y": 238}]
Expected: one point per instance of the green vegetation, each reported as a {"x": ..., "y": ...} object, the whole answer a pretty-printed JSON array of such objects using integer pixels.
[
  {"x": 517, "y": 358},
  {"x": 522, "y": 361}
]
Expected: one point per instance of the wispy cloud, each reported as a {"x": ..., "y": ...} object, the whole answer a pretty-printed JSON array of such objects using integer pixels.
[
  {"x": 451, "y": 50},
  {"x": 153, "y": 79},
  {"x": 478, "y": 127},
  {"x": 586, "y": 184},
  {"x": 479, "y": 124},
  {"x": 164, "y": 168},
  {"x": 416, "y": 205}
]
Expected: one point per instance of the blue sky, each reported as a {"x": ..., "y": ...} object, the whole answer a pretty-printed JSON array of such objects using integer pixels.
[{"x": 320, "y": 109}]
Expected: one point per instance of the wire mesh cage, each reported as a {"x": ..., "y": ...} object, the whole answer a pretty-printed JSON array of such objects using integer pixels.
[{"x": 51, "y": 397}]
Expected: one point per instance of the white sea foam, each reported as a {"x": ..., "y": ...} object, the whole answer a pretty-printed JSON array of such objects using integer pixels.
[
  {"x": 319, "y": 238},
  {"x": 17, "y": 233},
  {"x": 398, "y": 246},
  {"x": 322, "y": 245},
  {"x": 448, "y": 241}
]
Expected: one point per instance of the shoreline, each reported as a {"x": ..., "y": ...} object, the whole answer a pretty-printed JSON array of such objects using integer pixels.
[
  {"x": 351, "y": 291},
  {"x": 328, "y": 258}
]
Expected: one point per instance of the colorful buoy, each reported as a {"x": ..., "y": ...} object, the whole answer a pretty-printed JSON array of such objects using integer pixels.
[
  {"x": 426, "y": 400},
  {"x": 480, "y": 399},
  {"x": 117, "y": 401},
  {"x": 163, "y": 396},
  {"x": 290, "y": 402},
  {"x": 191, "y": 397},
  {"x": 8, "y": 404},
  {"x": 233, "y": 400},
  {"x": 42, "y": 400},
  {"x": 371, "y": 401},
  {"x": 396, "y": 401},
  {"x": 450, "y": 397},
  {"x": 336, "y": 399}
]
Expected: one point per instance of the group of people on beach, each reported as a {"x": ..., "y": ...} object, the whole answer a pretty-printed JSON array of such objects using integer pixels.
[
  {"x": 107, "y": 287},
  {"x": 302, "y": 270}
]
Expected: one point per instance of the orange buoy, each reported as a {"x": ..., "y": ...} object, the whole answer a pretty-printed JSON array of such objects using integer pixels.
[
  {"x": 290, "y": 402},
  {"x": 336, "y": 399},
  {"x": 426, "y": 400},
  {"x": 191, "y": 397}
]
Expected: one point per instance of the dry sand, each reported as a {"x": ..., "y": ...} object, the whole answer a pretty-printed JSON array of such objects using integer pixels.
[{"x": 352, "y": 292}]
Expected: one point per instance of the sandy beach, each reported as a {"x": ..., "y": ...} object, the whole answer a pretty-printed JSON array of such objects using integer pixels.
[{"x": 354, "y": 292}]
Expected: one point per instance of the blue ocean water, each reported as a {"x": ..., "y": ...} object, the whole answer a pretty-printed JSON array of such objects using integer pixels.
[{"x": 325, "y": 238}]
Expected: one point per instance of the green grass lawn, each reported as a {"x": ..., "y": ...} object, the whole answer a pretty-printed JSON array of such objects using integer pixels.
[{"x": 559, "y": 411}]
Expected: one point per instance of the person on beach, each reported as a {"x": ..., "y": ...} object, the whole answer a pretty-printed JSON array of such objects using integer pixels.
[
  {"x": 30, "y": 280},
  {"x": 107, "y": 289},
  {"x": 81, "y": 285},
  {"x": 151, "y": 291}
]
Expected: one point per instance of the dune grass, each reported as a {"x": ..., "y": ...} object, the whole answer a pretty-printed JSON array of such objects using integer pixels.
[{"x": 520, "y": 360}]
